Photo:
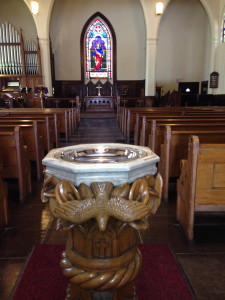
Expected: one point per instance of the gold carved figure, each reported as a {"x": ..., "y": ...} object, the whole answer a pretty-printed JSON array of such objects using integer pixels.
[{"x": 102, "y": 220}]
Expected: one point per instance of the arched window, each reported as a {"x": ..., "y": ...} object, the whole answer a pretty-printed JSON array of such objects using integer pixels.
[
  {"x": 98, "y": 50},
  {"x": 223, "y": 30}
]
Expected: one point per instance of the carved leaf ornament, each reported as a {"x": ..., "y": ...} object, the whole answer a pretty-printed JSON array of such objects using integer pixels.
[{"x": 101, "y": 201}]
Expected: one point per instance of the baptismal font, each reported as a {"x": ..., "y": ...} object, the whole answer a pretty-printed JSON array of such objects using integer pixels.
[{"x": 102, "y": 194}]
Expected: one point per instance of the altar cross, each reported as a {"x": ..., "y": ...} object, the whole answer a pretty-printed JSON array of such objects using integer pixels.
[{"x": 99, "y": 87}]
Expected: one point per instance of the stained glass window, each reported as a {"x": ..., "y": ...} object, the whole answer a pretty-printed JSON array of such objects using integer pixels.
[
  {"x": 98, "y": 50},
  {"x": 223, "y": 30}
]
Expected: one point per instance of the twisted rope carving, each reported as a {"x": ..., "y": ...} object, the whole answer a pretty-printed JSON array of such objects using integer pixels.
[{"x": 102, "y": 280}]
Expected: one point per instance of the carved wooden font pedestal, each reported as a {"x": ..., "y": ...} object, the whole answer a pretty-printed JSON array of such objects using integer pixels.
[{"x": 101, "y": 259}]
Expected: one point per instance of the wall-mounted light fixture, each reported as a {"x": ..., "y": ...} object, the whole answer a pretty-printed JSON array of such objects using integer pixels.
[
  {"x": 34, "y": 7},
  {"x": 159, "y": 8}
]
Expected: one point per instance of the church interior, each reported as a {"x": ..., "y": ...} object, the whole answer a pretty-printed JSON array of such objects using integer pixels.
[{"x": 145, "y": 79}]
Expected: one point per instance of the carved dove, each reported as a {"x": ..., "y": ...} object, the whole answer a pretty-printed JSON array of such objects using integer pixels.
[{"x": 101, "y": 207}]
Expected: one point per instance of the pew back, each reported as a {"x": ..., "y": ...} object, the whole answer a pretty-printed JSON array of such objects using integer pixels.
[
  {"x": 157, "y": 130},
  {"x": 15, "y": 160},
  {"x": 147, "y": 123},
  {"x": 127, "y": 118},
  {"x": 33, "y": 141},
  {"x": 46, "y": 128},
  {"x": 175, "y": 148}
]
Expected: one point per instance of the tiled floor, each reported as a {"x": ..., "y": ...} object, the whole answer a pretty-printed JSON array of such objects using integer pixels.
[{"x": 203, "y": 260}]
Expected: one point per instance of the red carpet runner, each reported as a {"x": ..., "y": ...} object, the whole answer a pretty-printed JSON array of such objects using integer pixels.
[{"x": 160, "y": 278}]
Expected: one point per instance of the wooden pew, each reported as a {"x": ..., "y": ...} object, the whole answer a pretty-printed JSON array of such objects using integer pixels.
[
  {"x": 66, "y": 121},
  {"x": 175, "y": 148},
  {"x": 74, "y": 110},
  {"x": 33, "y": 141},
  {"x": 46, "y": 128},
  {"x": 3, "y": 204},
  {"x": 127, "y": 120},
  {"x": 130, "y": 119},
  {"x": 63, "y": 117},
  {"x": 157, "y": 127},
  {"x": 52, "y": 102},
  {"x": 143, "y": 131},
  {"x": 15, "y": 162},
  {"x": 74, "y": 116},
  {"x": 201, "y": 185},
  {"x": 131, "y": 102},
  {"x": 127, "y": 114},
  {"x": 51, "y": 119}
]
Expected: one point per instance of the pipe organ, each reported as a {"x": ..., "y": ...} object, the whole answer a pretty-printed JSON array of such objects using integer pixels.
[
  {"x": 32, "y": 58},
  {"x": 19, "y": 61},
  {"x": 10, "y": 52}
]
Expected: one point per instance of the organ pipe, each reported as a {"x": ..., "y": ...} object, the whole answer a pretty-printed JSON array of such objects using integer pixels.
[{"x": 17, "y": 57}]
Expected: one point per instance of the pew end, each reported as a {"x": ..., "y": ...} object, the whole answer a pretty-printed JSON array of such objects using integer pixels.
[
  {"x": 3, "y": 204},
  {"x": 201, "y": 185}
]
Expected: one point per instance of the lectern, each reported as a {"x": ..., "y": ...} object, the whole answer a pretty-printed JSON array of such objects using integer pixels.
[{"x": 102, "y": 194}]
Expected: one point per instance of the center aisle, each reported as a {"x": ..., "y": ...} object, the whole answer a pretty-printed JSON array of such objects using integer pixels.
[{"x": 97, "y": 128}]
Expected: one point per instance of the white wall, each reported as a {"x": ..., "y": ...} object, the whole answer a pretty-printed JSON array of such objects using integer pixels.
[
  {"x": 220, "y": 54},
  {"x": 183, "y": 44},
  {"x": 126, "y": 16},
  {"x": 132, "y": 61}
]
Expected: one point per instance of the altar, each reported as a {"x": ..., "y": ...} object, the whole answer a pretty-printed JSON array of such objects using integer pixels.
[{"x": 99, "y": 103}]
